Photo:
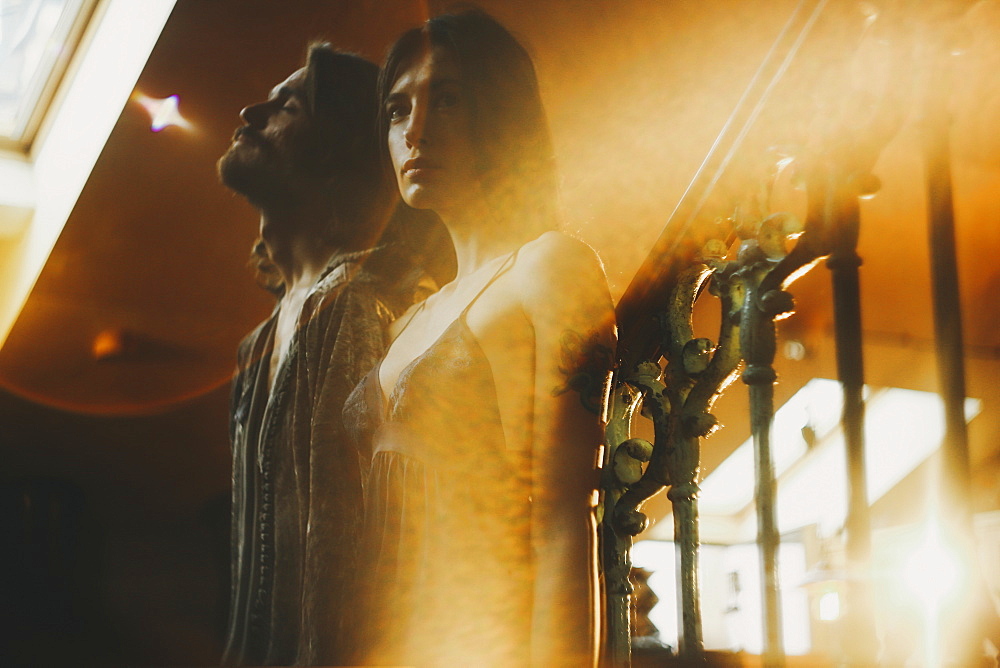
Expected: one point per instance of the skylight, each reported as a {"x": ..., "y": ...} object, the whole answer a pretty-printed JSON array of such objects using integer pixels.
[
  {"x": 38, "y": 190},
  {"x": 36, "y": 40}
]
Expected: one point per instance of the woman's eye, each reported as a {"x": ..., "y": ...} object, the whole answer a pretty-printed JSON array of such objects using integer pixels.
[
  {"x": 447, "y": 100},
  {"x": 395, "y": 112}
]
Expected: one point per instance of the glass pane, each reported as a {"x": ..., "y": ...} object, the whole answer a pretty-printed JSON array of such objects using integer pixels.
[{"x": 32, "y": 41}]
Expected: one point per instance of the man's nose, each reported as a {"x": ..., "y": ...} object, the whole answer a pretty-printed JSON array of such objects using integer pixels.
[{"x": 255, "y": 115}]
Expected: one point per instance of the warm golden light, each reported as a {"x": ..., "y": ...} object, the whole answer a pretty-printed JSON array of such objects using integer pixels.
[
  {"x": 932, "y": 570},
  {"x": 932, "y": 574},
  {"x": 109, "y": 344},
  {"x": 829, "y": 607}
]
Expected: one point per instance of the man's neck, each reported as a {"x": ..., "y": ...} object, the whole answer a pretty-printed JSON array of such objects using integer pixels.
[{"x": 301, "y": 242}]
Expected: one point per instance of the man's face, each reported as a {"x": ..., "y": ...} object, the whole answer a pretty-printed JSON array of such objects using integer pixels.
[{"x": 275, "y": 148}]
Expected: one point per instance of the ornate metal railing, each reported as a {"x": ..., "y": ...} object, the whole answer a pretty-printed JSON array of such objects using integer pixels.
[{"x": 724, "y": 241}]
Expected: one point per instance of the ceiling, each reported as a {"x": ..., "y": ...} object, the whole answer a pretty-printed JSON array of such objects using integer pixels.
[
  {"x": 156, "y": 250},
  {"x": 636, "y": 93}
]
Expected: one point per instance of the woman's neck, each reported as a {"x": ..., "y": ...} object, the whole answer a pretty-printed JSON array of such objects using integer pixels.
[{"x": 479, "y": 235}]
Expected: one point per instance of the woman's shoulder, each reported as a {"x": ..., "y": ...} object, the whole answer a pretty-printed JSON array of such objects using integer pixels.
[
  {"x": 558, "y": 257},
  {"x": 557, "y": 243},
  {"x": 555, "y": 253},
  {"x": 558, "y": 267}
]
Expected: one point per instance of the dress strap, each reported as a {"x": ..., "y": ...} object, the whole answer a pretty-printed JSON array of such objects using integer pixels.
[
  {"x": 504, "y": 266},
  {"x": 501, "y": 270},
  {"x": 416, "y": 311}
]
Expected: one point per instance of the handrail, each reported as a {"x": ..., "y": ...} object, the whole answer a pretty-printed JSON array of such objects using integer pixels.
[
  {"x": 654, "y": 316},
  {"x": 673, "y": 248}
]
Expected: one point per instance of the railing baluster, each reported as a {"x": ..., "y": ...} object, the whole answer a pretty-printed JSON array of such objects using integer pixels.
[
  {"x": 946, "y": 296},
  {"x": 654, "y": 321},
  {"x": 955, "y": 485},
  {"x": 843, "y": 222},
  {"x": 615, "y": 543},
  {"x": 758, "y": 341}
]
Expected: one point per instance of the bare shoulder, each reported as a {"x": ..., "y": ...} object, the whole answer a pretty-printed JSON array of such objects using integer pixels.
[
  {"x": 565, "y": 294},
  {"x": 556, "y": 263},
  {"x": 558, "y": 250}
]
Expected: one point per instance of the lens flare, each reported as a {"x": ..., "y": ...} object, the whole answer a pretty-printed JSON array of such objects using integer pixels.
[
  {"x": 932, "y": 569},
  {"x": 162, "y": 111},
  {"x": 933, "y": 574}
]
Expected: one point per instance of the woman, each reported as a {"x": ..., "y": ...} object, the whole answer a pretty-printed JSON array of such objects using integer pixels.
[{"x": 482, "y": 415}]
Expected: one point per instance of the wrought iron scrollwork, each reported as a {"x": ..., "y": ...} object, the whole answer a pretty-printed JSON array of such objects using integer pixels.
[
  {"x": 678, "y": 396},
  {"x": 842, "y": 132}
]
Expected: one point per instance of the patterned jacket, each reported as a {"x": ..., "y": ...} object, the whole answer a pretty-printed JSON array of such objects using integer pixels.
[{"x": 297, "y": 498}]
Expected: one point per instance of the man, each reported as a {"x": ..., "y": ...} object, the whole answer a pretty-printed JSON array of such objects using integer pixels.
[{"x": 308, "y": 159}]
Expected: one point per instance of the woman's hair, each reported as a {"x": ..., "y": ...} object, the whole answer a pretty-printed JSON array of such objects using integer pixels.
[
  {"x": 342, "y": 90},
  {"x": 416, "y": 246},
  {"x": 509, "y": 128}
]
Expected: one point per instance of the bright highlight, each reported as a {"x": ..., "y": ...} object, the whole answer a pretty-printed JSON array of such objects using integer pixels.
[
  {"x": 162, "y": 111},
  {"x": 933, "y": 574},
  {"x": 829, "y": 607},
  {"x": 932, "y": 570}
]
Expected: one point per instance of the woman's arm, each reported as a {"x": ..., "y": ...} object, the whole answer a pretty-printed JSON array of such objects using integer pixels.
[{"x": 565, "y": 296}]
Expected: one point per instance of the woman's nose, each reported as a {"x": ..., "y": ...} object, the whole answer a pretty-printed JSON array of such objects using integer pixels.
[{"x": 416, "y": 128}]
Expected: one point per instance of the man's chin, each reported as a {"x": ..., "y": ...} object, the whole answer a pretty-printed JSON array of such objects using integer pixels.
[
  {"x": 260, "y": 187},
  {"x": 235, "y": 173}
]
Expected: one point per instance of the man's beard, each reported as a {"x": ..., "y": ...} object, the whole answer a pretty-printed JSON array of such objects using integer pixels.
[
  {"x": 258, "y": 174},
  {"x": 249, "y": 172}
]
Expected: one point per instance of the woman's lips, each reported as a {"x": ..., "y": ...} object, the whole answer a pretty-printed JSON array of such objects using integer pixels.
[{"x": 415, "y": 168}]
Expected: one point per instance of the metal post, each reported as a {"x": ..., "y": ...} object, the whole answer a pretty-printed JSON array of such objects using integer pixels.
[
  {"x": 956, "y": 476},
  {"x": 758, "y": 342},
  {"x": 843, "y": 221},
  {"x": 616, "y": 544},
  {"x": 768, "y": 538},
  {"x": 946, "y": 300},
  {"x": 687, "y": 545}
]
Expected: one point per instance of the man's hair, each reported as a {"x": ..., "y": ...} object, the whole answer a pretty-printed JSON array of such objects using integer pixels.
[
  {"x": 342, "y": 99},
  {"x": 509, "y": 128},
  {"x": 265, "y": 272},
  {"x": 342, "y": 89}
]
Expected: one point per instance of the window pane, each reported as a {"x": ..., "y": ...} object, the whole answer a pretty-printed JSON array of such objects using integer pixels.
[{"x": 33, "y": 37}]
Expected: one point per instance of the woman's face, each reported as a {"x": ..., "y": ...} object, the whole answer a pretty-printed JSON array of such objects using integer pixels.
[{"x": 430, "y": 137}]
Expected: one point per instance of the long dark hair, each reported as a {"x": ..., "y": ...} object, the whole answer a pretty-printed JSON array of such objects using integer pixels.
[
  {"x": 509, "y": 127},
  {"x": 415, "y": 246},
  {"x": 342, "y": 97}
]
